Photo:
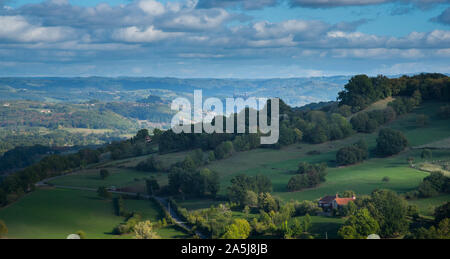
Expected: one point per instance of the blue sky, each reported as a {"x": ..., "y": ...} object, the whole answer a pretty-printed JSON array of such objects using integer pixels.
[{"x": 223, "y": 38}]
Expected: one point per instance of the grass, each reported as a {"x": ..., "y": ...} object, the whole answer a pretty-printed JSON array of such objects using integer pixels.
[
  {"x": 87, "y": 131},
  {"x": 56, "y": 213},
  {"x": 325, "y": 227},
  {"x": 90, "y": 178},
  {"x": 427, "y": 205}
]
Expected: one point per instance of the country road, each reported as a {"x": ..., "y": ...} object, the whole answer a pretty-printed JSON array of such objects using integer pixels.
[{"x": 163, "y": 201}]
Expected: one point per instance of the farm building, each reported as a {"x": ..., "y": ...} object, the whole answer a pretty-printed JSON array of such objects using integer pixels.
[{"x": 334, "y": 202}]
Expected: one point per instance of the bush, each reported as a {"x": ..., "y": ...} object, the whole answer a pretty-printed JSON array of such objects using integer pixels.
[
  {"x": 150, "y": 165},
  {"x": 390, "y": 142},
  {"x": 442, "y": 212},
  {"x": 307, "y": 207},
  {"x": 434, "y": 184},
  {"x": 444, "y": 112},
  {"x": 309, "y": 175},
  {"x": 352, "y": 154},
  {"x": 426, "y": 154},
  {"x": 104, "y": 174}
]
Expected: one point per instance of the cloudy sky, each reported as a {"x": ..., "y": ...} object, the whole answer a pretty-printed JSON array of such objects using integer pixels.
[{"x": 223, "y": 38}]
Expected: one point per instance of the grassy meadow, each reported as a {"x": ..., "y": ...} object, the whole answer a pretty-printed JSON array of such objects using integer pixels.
[{"x": 56, "y": 213}]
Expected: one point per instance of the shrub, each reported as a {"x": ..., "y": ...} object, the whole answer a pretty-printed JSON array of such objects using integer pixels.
[
  {"x": 391, "y": 142},
  {"x": 352, "y": 154},
  {"x": 444, "y": 112},
  {"x": 426, "y": 154}
]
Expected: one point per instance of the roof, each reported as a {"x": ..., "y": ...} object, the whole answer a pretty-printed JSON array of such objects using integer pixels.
[
  {"x": 339, "y": 201},
  {"x": 344, "y": 201},
  {"x": 327, "y": 199}
]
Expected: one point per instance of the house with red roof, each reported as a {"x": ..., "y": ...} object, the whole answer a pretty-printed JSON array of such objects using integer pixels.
[{"x": 334, "y": 202}]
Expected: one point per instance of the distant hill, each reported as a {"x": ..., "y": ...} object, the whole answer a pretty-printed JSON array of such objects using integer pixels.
[{"x": 294, "y": 91}]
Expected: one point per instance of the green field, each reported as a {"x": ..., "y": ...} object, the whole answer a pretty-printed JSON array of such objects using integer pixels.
[
  {"x": 427, "y": 205},
  {"x": 56, "y": 213},
  {"x": 90, "y": 178}
]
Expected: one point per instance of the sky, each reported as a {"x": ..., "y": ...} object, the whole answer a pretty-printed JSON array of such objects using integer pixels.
[{"x": 223, "y": 38}]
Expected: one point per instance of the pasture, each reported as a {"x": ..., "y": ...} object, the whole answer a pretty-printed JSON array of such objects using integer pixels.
[{"x": 56, "y": 213}]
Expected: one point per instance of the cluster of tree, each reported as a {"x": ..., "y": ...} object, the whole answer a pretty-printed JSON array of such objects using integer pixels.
[
  {"x": 145, "y": 230},
  {"x": 368, "y": 122},
  {"x": 353, "y": 154},
  {"x": 150, "y": 110},
  {"x": 171, "y": 141},
  {"x": 152, "y": 186},
  {"x": 129, "y": 225},
  {"x": 317, "y": 127},
  {"x": 29, "y": 136},
  {"x": 199, "y": 183},
  {"x": 21, "y": 157},
  {"x": 52, "y": 116},
  {"x": 361, "y": 90},
  {"x": 244, "y": 189},
  {"x": 217, "y": 221},
  {"x": 308, "y": 175},
  {"x": 151, "y": 164},
  {"x": 440, "y": 229},
  {"x": 223, "y": 150},
  {"x": 119, "y": 207},
  {"x": 404, "y": 104},
  {"x": 16, "y": 185},
  {"x": 239, "y": 229},
  {"x": 383, "y": 212},
  {"x": 103, "y": 193},
  {"x": 306, "y": 207},
  {"x": 432, "y": 185},
  {"x": 136, "y": 146},
  {"x": 390, "y": 142}
]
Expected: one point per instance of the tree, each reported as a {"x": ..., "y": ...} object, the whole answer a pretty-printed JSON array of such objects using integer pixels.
[
  {"x": 441, "y": 231},
  {"x": 347, "y": 194},
  {"x": 348, "y": 232},
  {"x": 81, "y": 234},
  {"x": 306, "y": 223},
  {"x": 426, "y": 154},
  {"x": 390, "y": 142},
  {"x": 152, "y": 186},
  {"x": 103, "y": 193},
  {"x": 3, "y": 228},
  {"x": 251, "y": 199},
  {"x": 442, "y": 212},
  {"x": 389, "y": 210},
  {"x": 240, "y": 229},
  {"x": 359, "y": 226},
  {"x": 267, "y": 202},
  {"x": 242, "y": 183},
  {"x": 104, "y": 174},
  {"x": 144, "y": 230}
]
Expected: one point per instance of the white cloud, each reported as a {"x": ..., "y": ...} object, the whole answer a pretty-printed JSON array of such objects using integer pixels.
[
  {"x": 135, "y": 34},
  {"x": 152, "y": 7},
  {"x": 337, "y": 3},
  {"x": 17, "y": 28}
]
